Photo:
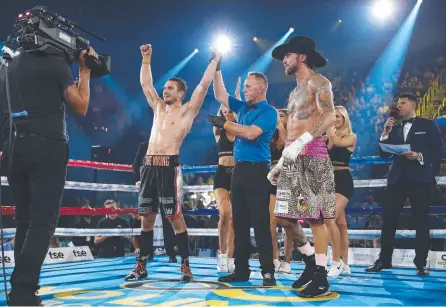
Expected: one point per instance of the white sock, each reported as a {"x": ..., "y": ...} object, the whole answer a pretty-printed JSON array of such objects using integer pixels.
[
  {"x": 321, "y": 260},
  {"x": 307, "y": 249}
]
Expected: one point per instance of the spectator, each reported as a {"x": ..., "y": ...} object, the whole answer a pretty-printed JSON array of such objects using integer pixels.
[{"x": 111, "y": 246}]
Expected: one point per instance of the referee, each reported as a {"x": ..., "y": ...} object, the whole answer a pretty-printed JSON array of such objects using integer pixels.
[{"x": 257, "y": 121}]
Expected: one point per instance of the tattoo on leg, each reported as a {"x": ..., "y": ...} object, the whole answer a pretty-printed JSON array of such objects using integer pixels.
[{"x": 299, "y": 237}]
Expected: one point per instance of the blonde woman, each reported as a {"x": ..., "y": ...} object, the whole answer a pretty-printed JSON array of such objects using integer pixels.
[
  {"x": 222, "y": 188},
  {"x": 341, "y": 144},
  {"x": 276, "y": 147}
]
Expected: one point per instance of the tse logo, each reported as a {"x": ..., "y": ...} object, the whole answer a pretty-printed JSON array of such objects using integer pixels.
[
  {"x": 80, "y": 253},
  {"x": 54, "y": 255},
  {"x": 5, "y": 260}
]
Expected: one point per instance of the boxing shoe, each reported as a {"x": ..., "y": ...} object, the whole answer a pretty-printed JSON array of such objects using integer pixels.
[
  {"x": 186, "y": 273},
  {"x": 318, "y": 286},
  {"x": 139, "y": 271},
  {"x": 307, "y": 275}
]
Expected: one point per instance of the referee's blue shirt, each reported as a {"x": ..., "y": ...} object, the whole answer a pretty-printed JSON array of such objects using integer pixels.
[{"x": 261, "y": 115}]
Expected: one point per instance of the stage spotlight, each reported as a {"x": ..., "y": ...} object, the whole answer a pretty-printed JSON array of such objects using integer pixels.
[
  {"x": 382, "y": 9},
  {"x": 196, "y": 50},
  {"x": 222, "y": 44},
  {"x": 291, "y": 29},
  {"x": 255, "y": 38}
]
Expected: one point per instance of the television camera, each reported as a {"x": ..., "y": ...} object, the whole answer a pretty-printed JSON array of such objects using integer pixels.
[{"x": 39, "y": 30}]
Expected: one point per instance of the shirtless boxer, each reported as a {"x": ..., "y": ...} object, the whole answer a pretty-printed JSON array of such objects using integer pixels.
[
  {"x": 304, "y": 174},
  {"x": 161, "y": 177}
]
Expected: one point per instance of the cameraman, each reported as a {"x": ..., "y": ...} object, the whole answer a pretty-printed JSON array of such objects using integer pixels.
[{"x": 37, "y": 167}]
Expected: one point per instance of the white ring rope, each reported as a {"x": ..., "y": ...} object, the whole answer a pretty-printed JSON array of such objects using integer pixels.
[
  {"x": 213, "y": 232},
  {"x": 75, "y": 185}
]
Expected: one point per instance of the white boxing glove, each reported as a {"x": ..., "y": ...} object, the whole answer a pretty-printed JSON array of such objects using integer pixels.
[
  {"x": 273, "y": 174},
  {"x": 292, "y": 151}
]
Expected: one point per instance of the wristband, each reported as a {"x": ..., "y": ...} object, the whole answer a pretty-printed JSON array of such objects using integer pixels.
[
  {"x": 303, "y": 140},
  {"x": 306, "y": 137},
  {"x": 146, "y": 59}
]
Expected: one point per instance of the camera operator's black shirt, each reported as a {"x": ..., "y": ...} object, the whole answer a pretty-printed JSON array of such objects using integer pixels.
[
  {"x": 38, "y": 81},
  {"x": 113, "y": 246}
]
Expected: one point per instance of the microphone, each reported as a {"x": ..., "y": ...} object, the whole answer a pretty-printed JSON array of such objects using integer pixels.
[{"x": 394, "y": 112}]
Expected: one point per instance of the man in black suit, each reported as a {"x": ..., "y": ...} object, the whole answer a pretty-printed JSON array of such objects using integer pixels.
[
  {"x": 411, "y": 175},
  {"x": 168, "y": 233}
]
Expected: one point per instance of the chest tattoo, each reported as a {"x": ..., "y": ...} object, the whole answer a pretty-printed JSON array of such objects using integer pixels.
[{"x": 300, "y": 103}]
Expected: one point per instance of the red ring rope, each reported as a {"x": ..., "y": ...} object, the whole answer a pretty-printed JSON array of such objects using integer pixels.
[
  {"x": 99, "y": 165},
  {"x": 10, "y": 210}
]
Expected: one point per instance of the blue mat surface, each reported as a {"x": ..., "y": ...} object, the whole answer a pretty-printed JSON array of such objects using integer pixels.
[{"x": 101, "y": 282}]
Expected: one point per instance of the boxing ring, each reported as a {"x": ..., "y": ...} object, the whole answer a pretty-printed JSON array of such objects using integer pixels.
[{"x": 72, "y": 277}]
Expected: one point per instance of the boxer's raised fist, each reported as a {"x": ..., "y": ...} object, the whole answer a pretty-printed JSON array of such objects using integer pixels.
[{"x": 146, "y": 50}]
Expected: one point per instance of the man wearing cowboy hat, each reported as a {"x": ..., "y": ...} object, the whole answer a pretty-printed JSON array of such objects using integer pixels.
[{"x": 304, "y": 174}]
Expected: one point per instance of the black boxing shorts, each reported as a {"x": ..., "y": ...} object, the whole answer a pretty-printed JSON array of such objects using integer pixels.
[
  {"x": 161, "y": 186},
  {"x": 223, "y": 177}
]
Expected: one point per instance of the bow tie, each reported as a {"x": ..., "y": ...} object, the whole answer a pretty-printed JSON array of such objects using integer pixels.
[
  {"x": 405, "y": 121},
  {"x": 250, "y": 105}
]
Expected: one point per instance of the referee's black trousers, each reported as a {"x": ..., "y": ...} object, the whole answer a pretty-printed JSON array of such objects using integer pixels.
[
  {"x": 250, "y": 206},
  {"x": 36, "y": 179}
]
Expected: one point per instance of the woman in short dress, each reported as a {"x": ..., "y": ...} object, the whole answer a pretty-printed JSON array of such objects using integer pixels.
[{"x": 341, "y": 144}]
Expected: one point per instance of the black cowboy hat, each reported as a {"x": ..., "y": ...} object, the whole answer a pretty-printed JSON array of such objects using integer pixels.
[{"x": 300, "y": 44}]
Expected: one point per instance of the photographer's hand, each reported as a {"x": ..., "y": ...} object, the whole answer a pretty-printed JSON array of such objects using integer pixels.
[
  {"x": 79, "y": 98},
  {"x": 82, "y": 60}
]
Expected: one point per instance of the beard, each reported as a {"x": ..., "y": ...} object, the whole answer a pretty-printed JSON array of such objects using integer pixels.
[
  {"x": 291, "y": 70},
  {"x": 169, "y": 101}
]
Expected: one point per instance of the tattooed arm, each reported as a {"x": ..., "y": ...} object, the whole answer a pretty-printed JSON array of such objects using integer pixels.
[{"x": 324, "y": 99}]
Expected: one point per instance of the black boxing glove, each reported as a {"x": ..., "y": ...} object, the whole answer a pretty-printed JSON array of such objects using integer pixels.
[
  {"x": 217, "y": 121},
  {"x": 213, "y": 56}
]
